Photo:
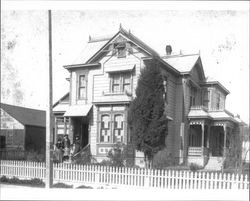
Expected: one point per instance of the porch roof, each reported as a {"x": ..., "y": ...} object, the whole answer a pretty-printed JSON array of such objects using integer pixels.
[
  {"x": 221, "y": 115},
  {"x": 60, "y": 108},
  {"x": 78, "y": 110},
  {"x": 201, "y": 112}
]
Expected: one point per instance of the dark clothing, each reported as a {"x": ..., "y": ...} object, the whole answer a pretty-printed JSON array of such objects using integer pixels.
[
  {"x": 77, "y": 147},
  {"x": 59, "y": 145},
  {"x": 66, "y": 143}
]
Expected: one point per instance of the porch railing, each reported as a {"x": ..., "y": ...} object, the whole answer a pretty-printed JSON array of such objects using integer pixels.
[{"x": 194, "y": 151}]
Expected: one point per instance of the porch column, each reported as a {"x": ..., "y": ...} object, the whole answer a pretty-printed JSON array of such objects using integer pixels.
[
  {"x": 202, "y": 139},
  {"x": 208, "y": 135},
  {"x": 225, "y": 140},
  {"x": 70, "y": 130}
]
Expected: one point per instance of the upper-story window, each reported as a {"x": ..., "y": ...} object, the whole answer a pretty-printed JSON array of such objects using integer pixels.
[
  {"x": 165, "y": 85},
  {"x": 82, "y": 88},
  {"x": 206, "y": 97},
  {"x": 192, "y": 96},
  {"x": 120, "y": 83},
  {"x": 217, "y": 101},
  {"x": 120, "y": 49}
]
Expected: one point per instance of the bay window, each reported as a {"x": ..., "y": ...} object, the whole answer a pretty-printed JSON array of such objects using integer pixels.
[{"x": 111, "y": 127}]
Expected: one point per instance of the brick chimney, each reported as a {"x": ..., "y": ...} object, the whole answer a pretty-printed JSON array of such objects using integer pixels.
[{"x": 168, "y": 49}]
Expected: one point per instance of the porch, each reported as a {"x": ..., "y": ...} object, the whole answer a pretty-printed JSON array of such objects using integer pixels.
[
  {"x": 208, "y": 142},
  {"x": 74, "y": 123}
]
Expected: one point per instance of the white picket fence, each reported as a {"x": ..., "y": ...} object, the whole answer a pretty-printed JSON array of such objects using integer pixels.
[{"x": 124, "y": 177}]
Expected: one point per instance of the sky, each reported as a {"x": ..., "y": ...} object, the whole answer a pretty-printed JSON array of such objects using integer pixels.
[{"x": 221, "y": 37}]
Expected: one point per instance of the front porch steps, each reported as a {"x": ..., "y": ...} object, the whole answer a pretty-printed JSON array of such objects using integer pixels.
[{"x": 214, "y": 163}]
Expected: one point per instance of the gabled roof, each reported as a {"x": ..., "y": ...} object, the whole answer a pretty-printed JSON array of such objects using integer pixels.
[
  {"x": 182, "y": 63},
  {"x": 95, "y": 47},
  {"x": 89, "y": 50},
  {"x": 26, "y": 116},
  {"x": 63, "y": 99}
]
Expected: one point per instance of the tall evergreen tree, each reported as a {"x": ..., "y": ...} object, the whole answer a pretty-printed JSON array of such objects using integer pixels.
[{"x": 146, "y": 116}]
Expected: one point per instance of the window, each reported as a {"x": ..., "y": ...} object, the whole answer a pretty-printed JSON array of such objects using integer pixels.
[
  {"x": 112, "y": 129},
  {"x": 121, "y": 49},
  {"x": 82, "y": 87},
  {"x": 165, "y": 85},
  {"x": 217, "y": 101},
  {"x": 105, "y": 134},
  {"x": 116, "y": 85},
  {"x": 62, "y": 126},
  {"x": 126, "y": 83},
  {"x": 118, "y": 134},
  {"x": 192, "y": 96},
  {"x": 2, "y": 142},
  {"x": 121, "y": 83}
]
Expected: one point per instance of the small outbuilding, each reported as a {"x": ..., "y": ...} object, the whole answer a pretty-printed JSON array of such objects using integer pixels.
[{"x": 22, "y": 128}]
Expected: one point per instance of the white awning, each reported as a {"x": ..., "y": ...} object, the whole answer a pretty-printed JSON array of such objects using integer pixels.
[
  {"x": 78, "y": 111},
  {"x": 119, "y": 68}
]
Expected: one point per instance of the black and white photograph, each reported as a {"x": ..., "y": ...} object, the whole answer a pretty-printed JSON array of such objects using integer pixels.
[{"x": 124, "y": 100}]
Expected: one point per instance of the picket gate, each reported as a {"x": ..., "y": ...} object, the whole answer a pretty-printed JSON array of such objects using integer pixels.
[{"x": 124, "y": 176}]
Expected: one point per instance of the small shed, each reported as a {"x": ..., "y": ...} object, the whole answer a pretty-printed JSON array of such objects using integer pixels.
[{"x": 22, "y": 128}]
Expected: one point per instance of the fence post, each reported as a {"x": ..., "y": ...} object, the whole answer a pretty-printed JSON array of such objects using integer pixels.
[
  {"x": 146, "y": 182},
  {"x": 97, "y": 172}
]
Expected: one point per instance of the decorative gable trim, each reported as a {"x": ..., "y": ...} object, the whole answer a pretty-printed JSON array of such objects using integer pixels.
[{"x": 128, "y": 37}]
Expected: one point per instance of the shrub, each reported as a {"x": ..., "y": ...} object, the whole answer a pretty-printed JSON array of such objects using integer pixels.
[
  {"x": 82, "y": 186},
  {"x": 35, "y": 156},
  {"x": 15, "y": 180},
  {"x": 163, "y": 159},
  {"x": 194, "y": 167},
  {"x": 61, "y": 185},
  {"x": 118, "y": 155},
  {"x": 3, "y": 179}
]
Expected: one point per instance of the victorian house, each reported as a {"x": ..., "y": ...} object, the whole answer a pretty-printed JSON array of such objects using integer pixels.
[{"x": 102, "y": 85}]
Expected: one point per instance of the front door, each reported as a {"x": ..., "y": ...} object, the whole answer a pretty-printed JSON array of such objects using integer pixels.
[
  {"x": 81, "y": 129},
  {"x": 216, "y": 141}
]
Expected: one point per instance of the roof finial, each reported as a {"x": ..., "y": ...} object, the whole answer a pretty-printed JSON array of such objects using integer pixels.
[
  {"x": 89, "y": 38},
  {"x": 199, "y": 52},
  {"x": 120, "y": 26}
]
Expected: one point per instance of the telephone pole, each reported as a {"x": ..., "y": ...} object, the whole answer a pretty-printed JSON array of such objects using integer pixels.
[{"x": 49, "y": 116}]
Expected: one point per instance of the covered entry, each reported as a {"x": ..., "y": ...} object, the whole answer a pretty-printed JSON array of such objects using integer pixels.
[
  {"x": 79, "y": 123},
  {"x": 216, "y": 141}
]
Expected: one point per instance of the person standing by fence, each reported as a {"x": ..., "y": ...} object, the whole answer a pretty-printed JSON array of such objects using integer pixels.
[
  {"x": 59, "y": 150},
  {"x": 66, "y": 146}
]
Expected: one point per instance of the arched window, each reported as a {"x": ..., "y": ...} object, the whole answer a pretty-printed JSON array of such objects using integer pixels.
[
  {"x": 105, "y": 128},
  {"x": 118, "y": 134}
]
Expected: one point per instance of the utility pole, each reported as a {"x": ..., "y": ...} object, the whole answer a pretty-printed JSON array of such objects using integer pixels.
[{"x": 49, "y": 117}]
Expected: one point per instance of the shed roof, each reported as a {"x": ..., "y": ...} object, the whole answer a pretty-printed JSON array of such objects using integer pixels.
[{"x": 26, "y": 116}]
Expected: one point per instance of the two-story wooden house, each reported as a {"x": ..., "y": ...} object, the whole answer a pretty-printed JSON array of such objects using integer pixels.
[{"x": 103, "y": 83}]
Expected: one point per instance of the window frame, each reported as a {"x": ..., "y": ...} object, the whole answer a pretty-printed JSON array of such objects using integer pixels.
[
  {"x": 122, "y": 83},
  {"x": 101, "y": 128},
  {"x": 112, "y": 128},
  {"x": 82, "y": 87},
  {"x": 218, "y": 102},
  {"x": 119, "y": 129}
]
